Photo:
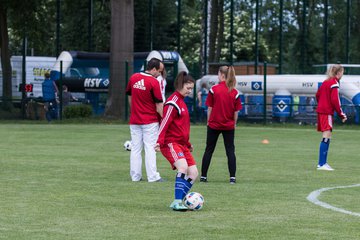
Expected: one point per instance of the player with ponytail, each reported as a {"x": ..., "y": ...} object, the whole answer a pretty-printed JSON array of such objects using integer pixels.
[
  {"x": 328, "y": 100},
  {"x": 174, "y": 139},
  {"x": 223, "y": 103}
]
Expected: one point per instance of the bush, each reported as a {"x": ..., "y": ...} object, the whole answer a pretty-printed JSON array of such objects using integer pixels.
[{"x": 78, "y": 111}]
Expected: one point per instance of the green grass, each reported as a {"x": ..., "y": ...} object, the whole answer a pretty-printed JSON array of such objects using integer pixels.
[{"x": 71, "y": 181}]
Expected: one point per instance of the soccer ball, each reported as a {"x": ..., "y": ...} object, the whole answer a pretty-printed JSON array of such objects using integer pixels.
[
  {"x": 194, "y": 201},
  {"x": 127, "y": 145}
]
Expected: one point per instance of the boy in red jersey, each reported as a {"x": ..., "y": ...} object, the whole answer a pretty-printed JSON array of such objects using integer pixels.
[
  {"x": 328, "y": 100},
  {"x": 146, "y": 105},
  {"x": 173, "y": 141},
  {"x": 224, "y": 104}
]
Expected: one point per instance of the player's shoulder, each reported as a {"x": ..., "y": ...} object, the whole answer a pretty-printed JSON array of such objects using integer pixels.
[
  {"x": 236, "y": 93},
  {"x": 214, "y": 88},
  {"x": 148, "y": 76},
  {"x": 135, "y": 76},
  {"x": 333, "y": 83},
  {"x": 174, "y": 100}
]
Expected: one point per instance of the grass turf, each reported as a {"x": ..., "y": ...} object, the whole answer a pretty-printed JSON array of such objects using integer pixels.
[{"x": 71, "y": 181}]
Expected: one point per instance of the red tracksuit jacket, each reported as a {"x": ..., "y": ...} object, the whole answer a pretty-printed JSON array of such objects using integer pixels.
[
  {"x": 328, "y": 98},
  {"x": 175, "y": 125}
]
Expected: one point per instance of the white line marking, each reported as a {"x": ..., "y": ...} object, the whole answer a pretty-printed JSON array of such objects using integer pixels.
[{"x": 312, "y": 197}]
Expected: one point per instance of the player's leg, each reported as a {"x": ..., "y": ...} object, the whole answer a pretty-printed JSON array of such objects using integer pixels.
[
  {"x": 181, "y": 186},
  {"x": 150, "y": 135},
  {"x": 211, "y": 140},
  {"x": 191, "y": 172},
  {"x": 55, "y": 110},
  {"x": 190, "y": 177},
  {"x": 324, "y": 148},
  {"x": 325, "y": 126},
  {"x": 47, "y": 111},
  {"x": 135, "y": 154},
  {"x": 176, "y": 157},
  {"x": 228, "y": 137}
]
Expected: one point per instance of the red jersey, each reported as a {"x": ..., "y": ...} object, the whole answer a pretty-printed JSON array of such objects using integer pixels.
[
  {"x": 175, "y": 125},
  {"x": 224, "y": 104},
  {"x": 145, "y": 92},
  {"x": 328, "y": 98}
]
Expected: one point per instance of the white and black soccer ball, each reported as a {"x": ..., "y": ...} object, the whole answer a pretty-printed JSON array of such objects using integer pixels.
[
  {"x": 194, "y": 201},
  {"x": 127, "y": 145}
]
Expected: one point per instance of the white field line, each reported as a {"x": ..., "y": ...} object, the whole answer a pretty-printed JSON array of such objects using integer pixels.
[{"x": 313, "y": 197}]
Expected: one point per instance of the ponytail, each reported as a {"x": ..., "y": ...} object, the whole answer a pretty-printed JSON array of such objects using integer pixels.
[
  {"x": 230, "y": 77},
  {"x": 334, "y": 70}
]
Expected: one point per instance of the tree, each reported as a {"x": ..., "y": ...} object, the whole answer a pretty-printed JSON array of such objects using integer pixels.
[
  {"x": 214, "y": 28},
  {"x": 32, "y": 12},
  {"x": 121, "y": 50},
  {"x": 161, "y": 29},
  {"x": 5, "y": 55},
  {"x": 75, "y": 25},
  {"x": 37, "y": 22},
  {"x": 191, "y": 32}
]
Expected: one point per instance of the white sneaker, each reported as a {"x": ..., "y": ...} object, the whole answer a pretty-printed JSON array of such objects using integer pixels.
[
  {"x": 175, "y": 202},
  {"x": 325, "y": 167}
]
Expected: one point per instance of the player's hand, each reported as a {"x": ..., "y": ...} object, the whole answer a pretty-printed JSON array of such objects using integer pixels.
[
  {"x": 344, "y": 119},
  {"x": 157, "y": 147},
  {"x": 191, "y": 148}
]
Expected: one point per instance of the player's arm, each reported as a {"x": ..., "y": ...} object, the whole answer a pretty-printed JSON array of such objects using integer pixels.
[
  {"x": 129, "y": 101},
  {"x": 128, "y": 92},
  {"x": 56, "y": 88},
  {"x": 317, "y": 95},
  {"x": 199, "y": 98},
  {"x": 157, "y": 97},
  {"x": 169, "y": 113},
  {"x": 191, "y": 147},
  {"x": 335, "y": 101},
  {"x": 159, "y": 108},
  {"x": 236, "y": 114},
  {"x": 209, "y": 114},
  {"x": 209, "y": 103},
  {"x": 238, "y": 107}
]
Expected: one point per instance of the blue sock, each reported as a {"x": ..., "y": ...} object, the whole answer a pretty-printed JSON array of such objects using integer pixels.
[
  {"x": 324, "y": 147},
  {"x": 182, "y": 185}
]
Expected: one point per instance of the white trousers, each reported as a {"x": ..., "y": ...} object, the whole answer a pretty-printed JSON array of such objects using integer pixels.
[{"x": 143, "y": 136}]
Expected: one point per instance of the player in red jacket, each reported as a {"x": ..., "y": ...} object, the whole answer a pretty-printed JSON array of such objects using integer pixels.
[
  {"x": 328, "y": 100},
  {"x": 173, "y": 140},
  {"x": 223, "y": 103}
]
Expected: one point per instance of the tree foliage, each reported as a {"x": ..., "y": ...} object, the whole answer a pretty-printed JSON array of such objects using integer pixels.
[{"x": 156, "y": 28}]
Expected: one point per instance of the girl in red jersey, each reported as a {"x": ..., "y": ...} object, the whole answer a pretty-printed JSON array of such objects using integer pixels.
[
  {"x": 223, "y": 103},
  {"x": 173, "y": 140},
  {"x": 328, "y": 100}
]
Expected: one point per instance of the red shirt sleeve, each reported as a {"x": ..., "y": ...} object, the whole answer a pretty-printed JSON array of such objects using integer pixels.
[
  {"x": 210, "y": 99},
  {"x": 335, "y": 101},
  {"x": 157, "y": 91},
  {"x": 238, "y": 105},
  {"x": 128, "y": 88},
  {"x": 169, "y": 114}
]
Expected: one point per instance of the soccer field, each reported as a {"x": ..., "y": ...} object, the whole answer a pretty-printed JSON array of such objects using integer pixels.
[{"x": 71, "y": 181}]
